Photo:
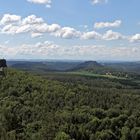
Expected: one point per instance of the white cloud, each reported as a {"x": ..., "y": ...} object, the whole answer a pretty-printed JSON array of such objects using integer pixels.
[
  {"x": 68, "y": 33},
  {"x": 9, "y": 29},
  {"x": 110, "y": 35},
  {"x": 28, "y": 25},
  {"x": 40, "y": 1},
  {"x": 135, "y": 38},
  {"x": 34, "y": 35},
  {"x": 39, "y": 28},
  {"x": 23, "y": 29},
  {"x": 44, "y": 49},
  {"x": 100, "y": 25},
  {"x": 48, "y": 6},
  {"x": 8, "y": 19},
  {"x": 53, "y": 28},
  {"x": 50, "y": 50},
  {"x": 47, "y": 2},
  {"x": 36, "y": 27},
  {"x": 99, "y": 1},
  {"x": 7, "y": 51},
  {"x": 91, "y": 35},
  {"x": 32, "y": 19}
]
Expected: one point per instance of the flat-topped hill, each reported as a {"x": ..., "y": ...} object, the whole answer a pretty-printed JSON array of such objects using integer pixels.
[{"x": 87, "y": 65}]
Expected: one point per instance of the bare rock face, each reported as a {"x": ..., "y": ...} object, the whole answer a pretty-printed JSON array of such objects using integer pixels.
[
  {"x": 3, "y": 66},
  {"x": 3, "y": 63}
]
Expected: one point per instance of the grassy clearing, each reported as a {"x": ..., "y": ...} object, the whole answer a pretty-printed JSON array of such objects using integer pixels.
[{"x": 83, "y": 73}]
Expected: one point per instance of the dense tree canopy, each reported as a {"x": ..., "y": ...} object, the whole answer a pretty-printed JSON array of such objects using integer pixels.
[{"x": 68, "y": 108}]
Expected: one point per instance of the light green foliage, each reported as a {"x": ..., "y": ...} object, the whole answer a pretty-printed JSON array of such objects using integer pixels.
[{"x": 62, "y": 136}]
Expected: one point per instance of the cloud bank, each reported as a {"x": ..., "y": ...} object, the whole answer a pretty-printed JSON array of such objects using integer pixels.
[
  {"x": 51, "y": 50},
  {"x": 36, "y": 27}
]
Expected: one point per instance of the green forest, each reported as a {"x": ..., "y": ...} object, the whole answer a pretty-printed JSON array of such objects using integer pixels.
[{"x": 68, "y": 107}]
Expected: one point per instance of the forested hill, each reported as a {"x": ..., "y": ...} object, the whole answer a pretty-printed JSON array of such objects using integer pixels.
[
  {"x": 87, "y": 65},
  {"x": 36, "y": 108}
]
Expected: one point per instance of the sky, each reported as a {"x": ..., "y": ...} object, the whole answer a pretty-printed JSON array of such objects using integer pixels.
[{"x": 70, "y": 29}]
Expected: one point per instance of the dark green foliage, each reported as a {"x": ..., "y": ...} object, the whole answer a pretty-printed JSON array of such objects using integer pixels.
[
  {"x": 68, "y": 107},
  {"x": 62, "y": 136}
]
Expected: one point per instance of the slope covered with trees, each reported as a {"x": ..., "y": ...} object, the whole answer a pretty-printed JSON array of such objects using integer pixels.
[
  {"x": 121, "y": 70},
  {"x": 68, "y": 108}
]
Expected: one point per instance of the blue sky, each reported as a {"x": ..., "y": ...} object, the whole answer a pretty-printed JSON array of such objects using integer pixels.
[{"x": 70, "y": 29}]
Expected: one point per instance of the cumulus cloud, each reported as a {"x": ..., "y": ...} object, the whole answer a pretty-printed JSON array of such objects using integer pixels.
[
  {"x": 36, "y": 27},
  {"x": 32, "y": 19},
  {"x": 135, "y": 38},
  {"x": 30, "y": 24},
  {"x": 100, "y": 25},
  {"x": 53, "y": 28},
  {"x": 9, "y": 29},
  {"x": 91, "y": 35},
  {"x": 68, "y": 33},
  {"x": 110, "y": 35},
  {"x": 41, "y": 48},
  {"x": 99, "y": 1},
  {"x": 9, "y": 18}
]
